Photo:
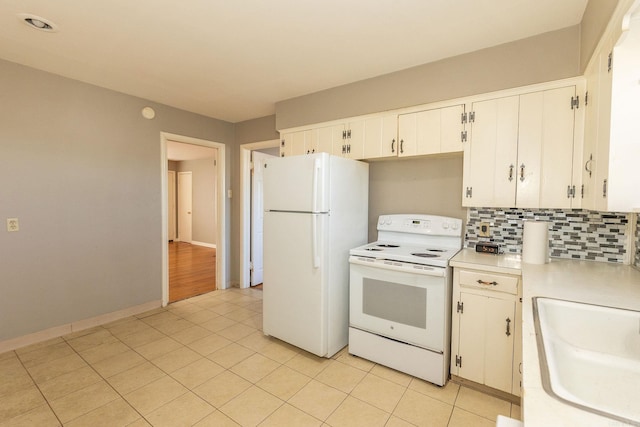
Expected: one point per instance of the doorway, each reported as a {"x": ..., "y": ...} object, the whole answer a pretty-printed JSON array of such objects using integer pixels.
[
  {"x": 246, "y": 150},
  {"x": 217, "y": 247}
]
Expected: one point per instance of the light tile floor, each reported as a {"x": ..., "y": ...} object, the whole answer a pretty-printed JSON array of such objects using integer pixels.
[{"x": 205, "y": 362}]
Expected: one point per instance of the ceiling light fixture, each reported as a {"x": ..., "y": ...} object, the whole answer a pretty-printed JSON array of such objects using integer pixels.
[{"x": 38, "y": 22}]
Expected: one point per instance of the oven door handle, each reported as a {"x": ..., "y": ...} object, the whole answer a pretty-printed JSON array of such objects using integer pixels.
[{"x": 397, "y": 266}]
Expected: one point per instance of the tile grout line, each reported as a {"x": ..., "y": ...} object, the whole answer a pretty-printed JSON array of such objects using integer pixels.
[{"x": 39, "y": 391}]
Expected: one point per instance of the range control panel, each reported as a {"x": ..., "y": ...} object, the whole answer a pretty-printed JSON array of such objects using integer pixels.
[{"x": 420, "y": 224}]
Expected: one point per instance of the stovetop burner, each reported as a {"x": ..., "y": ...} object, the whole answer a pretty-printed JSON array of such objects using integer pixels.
[
  {"x": 424, "y": 255},
  {"x": 426, "y": 240}
]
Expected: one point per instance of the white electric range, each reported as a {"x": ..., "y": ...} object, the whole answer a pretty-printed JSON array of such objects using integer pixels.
[{"x": 400, "y": 295}]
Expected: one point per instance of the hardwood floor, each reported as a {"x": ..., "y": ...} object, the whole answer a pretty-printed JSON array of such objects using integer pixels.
[{"x": 192, "y": 270}]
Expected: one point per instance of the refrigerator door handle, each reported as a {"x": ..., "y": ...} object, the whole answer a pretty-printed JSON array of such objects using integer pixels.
[
  {"x": 316, "y": 179},
  {"x": 314, "y": 242}
]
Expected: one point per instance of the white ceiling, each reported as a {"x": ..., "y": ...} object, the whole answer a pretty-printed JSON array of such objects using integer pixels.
[{"x": 233, "y": 59}]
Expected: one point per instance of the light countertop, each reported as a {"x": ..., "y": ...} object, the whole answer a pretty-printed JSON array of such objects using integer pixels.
[
  {"x": 469, "y": 258},
  {"x": 600, "y": 283}
]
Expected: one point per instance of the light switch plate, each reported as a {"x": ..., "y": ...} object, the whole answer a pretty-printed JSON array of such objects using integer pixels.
[{"x": 13, "y": 224}]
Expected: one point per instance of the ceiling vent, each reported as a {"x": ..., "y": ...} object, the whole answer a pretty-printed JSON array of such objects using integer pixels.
[{"x": 38, "y": 22}]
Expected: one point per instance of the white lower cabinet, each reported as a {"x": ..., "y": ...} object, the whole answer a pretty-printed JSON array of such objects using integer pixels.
[{"x": 486, "y": 337}]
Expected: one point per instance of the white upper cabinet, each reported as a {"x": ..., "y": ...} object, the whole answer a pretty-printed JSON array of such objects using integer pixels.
[
  {"x": 295, "y": 143},
  {"x": 435, "y": 131},
  {"x": 491, "y": 154},
  {"x": 348, "y": 139},
  {"x": 381, "y": 136},
  {"x": 521, "y": 151},
  {"x": 558, "y": 132},
  {"x": 612, "y": 142},
  {"x": 308, "y": 141}
]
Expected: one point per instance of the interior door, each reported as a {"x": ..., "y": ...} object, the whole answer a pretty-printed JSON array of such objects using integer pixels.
[
  {"x": 185, "y": 200},
  {"x": 171, "y": 208},
  {"x": 257, "y": 215}
]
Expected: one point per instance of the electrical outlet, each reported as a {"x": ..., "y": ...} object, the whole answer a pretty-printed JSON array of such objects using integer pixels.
[
  {"x": 484, "y": 229},
  {"x": 13, "y": 224}
]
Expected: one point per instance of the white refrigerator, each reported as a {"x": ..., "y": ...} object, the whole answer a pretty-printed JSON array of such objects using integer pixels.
[{"x": 316, "y": 209}]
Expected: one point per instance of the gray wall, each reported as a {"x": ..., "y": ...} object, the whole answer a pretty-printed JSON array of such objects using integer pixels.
[
  {"x": 594, "y": 22},
  {"x": 80, "y": 167},
  {"x": 542, "y": 58},
  {"x": 256, "y": 130},
  {"x": 425, "y": 185},
  {"x": 204, "y": 195}
]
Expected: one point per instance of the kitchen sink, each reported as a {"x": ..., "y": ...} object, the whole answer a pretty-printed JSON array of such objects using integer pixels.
[{"x": 590, "y": 356}]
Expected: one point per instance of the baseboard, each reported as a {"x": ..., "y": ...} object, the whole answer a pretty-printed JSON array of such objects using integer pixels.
[
  {"x": 58, "y": 331},
  {"x": 207, "y": 245}
]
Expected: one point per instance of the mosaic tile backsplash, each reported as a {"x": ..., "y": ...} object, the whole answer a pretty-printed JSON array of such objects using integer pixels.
[{"x": 574, "y": 234}]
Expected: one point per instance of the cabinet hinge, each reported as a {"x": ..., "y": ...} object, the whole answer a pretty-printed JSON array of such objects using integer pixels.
[
  {"x": 463, "y": 136},
  {"x": 469, "y": 192},
  {"x": 251, "y": 265},
  {"x": 472, "y": 116},
  {"x": 459, "y": 361},
  {"x": 610, "y": 62},
  {"x": 575, "y": 102},
  {"x": 251, "y": 166},
  {"x": 463, "y": 118},
  {"x": 460, "y": 308}
]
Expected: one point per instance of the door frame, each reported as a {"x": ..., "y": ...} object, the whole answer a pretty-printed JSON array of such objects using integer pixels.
[
  {"x": 172, "y": 205},
  {"x": 245, "y": 206},
  {"x": 221, "y": 208}
]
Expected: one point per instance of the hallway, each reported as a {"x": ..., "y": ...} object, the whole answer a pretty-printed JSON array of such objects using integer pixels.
[{"x": 192, "y": 270}]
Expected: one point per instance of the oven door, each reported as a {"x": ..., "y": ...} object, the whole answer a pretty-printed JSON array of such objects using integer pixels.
[{"x": 404, "y": 304}]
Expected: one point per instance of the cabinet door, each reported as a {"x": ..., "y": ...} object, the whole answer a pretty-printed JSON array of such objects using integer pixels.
[
  {"x": 407, "y": 134},
  {"x": 486, "y": 340},
  {"x": 605, "y": 77},
  {"x": 285, "y": 144},
  {"x": 556, "y": 173},
  {"x": 431, "y": 131},
  {"x": 490, "y": 156},
  {"x": 295, "y": 143},
  {"x": 380, "y": 137},
  {"x": 428, "y": 133},
  {"x": 587, "y": 190},
  {"x": 355, "y": 139},
  {"x": 348, "y": 140},
  {"x": 451, "y": 128},
  {"x": 530, "y": 137},
  {"x": 322, "y": 140}
]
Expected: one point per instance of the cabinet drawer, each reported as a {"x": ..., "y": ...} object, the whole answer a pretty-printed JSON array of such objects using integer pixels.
[{"x": 489, "y": 281}]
